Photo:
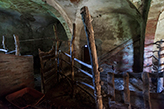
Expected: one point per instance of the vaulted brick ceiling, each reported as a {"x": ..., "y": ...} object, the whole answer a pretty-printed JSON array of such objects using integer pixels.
[{"x": 114, "y": 21}]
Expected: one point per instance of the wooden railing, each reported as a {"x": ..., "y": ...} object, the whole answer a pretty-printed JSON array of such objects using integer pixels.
[
  {"x": 17, "y": 46},
  {"x": 79, "y": 70},
  {"x": 126, "y": 93}
]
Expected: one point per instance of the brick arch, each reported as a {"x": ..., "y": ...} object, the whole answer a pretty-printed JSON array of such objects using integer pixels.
[
  {"x": 56, "y": 11},
  {"x": 159, "y": 33}
]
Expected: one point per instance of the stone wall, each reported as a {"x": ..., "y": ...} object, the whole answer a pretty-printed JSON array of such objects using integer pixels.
[{"x": 33, "y": 30}]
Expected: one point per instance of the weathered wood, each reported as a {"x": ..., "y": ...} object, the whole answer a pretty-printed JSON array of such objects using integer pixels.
[
  {"x": 138, "y": 75},
  {"x": 3, "y": 42},
  {"x": 48, "y": 69},
  {"x": 41, "y": 73},
  {"x": 72, "y": 57},
  {"x": 86, "y": 84},
  {"x": 77, "y": 68},
  {"x": 93, "y": 55},
  {"x": 111, "y": 87},
  {"x": 17, "y": 45},
  {"x": 79, "y": 61},
  {"x": 146, "y": 93},
  {"x": 60, "y": 61},
  {"x": 85, "y": 90},
  {"x": 16, "y": 72},
  {"x": 56, "y": 51},
  {"x": 126, "y": 89}
]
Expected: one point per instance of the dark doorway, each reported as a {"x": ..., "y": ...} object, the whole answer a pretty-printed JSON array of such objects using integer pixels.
[{"x": 86, "y": 54}]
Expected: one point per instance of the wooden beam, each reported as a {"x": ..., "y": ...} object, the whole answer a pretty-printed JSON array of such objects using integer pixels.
[
  {"x": 93, "y": 55},
  {"x": 146, "y": 93},
  {"x": 126, "y": 89},
  {"x": 111, "y": 88},
  {"x": 56, "y": 43},
  {"x": 72, "y": 57}
]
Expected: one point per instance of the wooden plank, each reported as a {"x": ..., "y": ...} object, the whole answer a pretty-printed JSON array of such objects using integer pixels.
[
  {"x": 85, "y": 90},
  {"x": 77, "y": 68},
  {"x": 126, "y": 89},
  {"x": 79, "y": 61},
  {"x": 47, "y": 68},
  {"x": 16, "y": 72},
  {"x": 49, "y": 79},
  {"x": 49, "y": 73},
  {"x": 110, "y": 87},
  {"x": 48, "y": 56},
  {"x": 146, "y": 93},
  {"x": 93, "y": 55},
  {"x": 86, "y": 84}
]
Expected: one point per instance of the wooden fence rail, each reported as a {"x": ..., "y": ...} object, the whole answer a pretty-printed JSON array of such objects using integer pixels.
[{"x": 126, "y": 93}]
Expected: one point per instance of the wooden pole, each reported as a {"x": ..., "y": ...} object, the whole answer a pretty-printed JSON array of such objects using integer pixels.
[
  {"x": 3, "y": 42},
  {"x": 146, "y": 93},
  {"x": 56, "y": 52},
  {"x": 93, "y": 55},
  {"x": 41, "y": 72},
  {"x": 17, "y": 46},
  {"x": 72, "y": 56},
  {"x": 111, "y": 88},
  {"x": 126, "y": 89}
]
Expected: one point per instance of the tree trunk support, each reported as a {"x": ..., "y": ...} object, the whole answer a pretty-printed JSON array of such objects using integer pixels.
[{"x": 93, "y": 55}]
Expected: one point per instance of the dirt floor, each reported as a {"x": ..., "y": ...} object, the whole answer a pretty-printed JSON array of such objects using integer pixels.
[{"x": 59, "y": 97}]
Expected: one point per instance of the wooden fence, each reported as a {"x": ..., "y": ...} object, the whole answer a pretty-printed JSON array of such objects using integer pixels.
[{"x": 17, "y": 46}]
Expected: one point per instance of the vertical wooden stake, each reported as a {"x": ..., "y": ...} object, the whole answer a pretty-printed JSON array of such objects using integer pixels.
[
  {"x": 93, "y": 55},
  {"x": 3, "y": 42},
  {"x": 17, "y": 46},
  {"x": 56, "y": 52},
  {"x": 72, "y": 56},
  {"x": 60, "y": 61},
  {"x": 111, "y": 87},
  {"x": 126, "y": 89},
  {"x": 41, "y": 72},
  {"x": 146, "y": 93}
]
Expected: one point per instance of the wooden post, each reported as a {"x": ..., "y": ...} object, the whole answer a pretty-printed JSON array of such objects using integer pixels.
[
  {"x": 3, "y": 42},
  {"x": 93, "y": 55},
  {"x": 111, "y": 88},
  {"x": 60, "y": 61},
  {"x": 41, "y": 72},
  {"x": 72, "y": 56},
  {"x": 161, "y": 64},
  {"x": 17, "y": 46},
  {"x": 146, "y": 93},
  {"x": 56, "y": 52},
  {"x": 126, "y": 89}
]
